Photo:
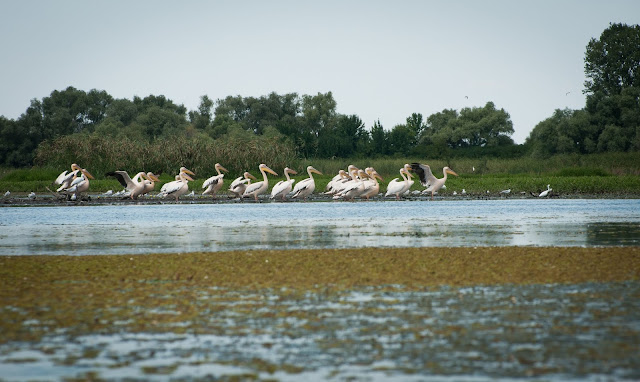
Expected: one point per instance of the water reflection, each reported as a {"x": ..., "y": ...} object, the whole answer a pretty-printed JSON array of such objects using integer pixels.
[{"x": 215, "y": 227}]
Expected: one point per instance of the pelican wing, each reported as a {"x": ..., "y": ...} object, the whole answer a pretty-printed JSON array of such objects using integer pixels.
[
  {"x": 253, "y": 187},
  {"x": 171, "y": 187},
  {"x": 123, "y": 178},
  {"x": 424, "y": 173},
  {"x": 304, "y": 186},
  {"x": 63, "y": 175},
  {"x": 213, "y": 180}
]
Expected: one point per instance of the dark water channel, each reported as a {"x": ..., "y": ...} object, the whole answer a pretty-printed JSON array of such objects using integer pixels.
[{"x": 130, "y": 229}]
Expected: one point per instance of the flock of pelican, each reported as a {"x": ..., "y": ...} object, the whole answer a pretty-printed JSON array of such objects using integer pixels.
[{"x": 347, "y": 185}]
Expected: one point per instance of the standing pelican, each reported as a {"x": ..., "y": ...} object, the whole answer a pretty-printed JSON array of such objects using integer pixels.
[
  {"x": 283, "y": 187},
  {"x": 546, "y": 192},
  {"x": 146, "y": 185},
  {"x": 178, "y": 187},
  {"x": 354, "y": 188},
  {"x": 306, "y": 187},
  {"x": 79, "y": 184},
  {"x": 427, "y": 179},
  {"x": 258, "y": 188},
  {"x": 124, "y": 179},
  {"x": 65, "y": 178},
  {"x": 396, "y": 187},
  {"x": 239, "y": 185},
  {"x": 214, "y": 184},
  {"x": 371, "y": 187}
]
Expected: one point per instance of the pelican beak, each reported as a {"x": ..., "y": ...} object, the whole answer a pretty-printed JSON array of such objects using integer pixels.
[
  {"x": 153, "y": 177},
  {"x": 186, "y": 170},
  {"x": 223, "y": 169},
  {"x": 251, "y": 176},
  {"x": 187, "y": 177},
  {"x": 375, "y": 174},
  {"x": 294, "y": 172},
  {"x": 87, "y": 174},
  {"x": 410, "y": 175},
  {"x": 316, "y": 171},
  {"x": 267, "y": 169},
  {"x": 452, "y": 172}
]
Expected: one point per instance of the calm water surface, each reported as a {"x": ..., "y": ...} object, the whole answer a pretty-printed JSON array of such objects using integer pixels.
[
  {"x": 117, "y": 229},
  {"x": 588, "y": 331}
]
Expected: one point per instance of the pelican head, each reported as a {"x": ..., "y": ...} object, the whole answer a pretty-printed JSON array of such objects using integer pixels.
[
  {"x": 248, "y": 176},
  {"x": 219, "y": 168},
  {"x": 86, "y": 173},
  {"x": 185, "y": 176},
  {"x": 311, "y": 169},
  {"x": 450, "y": 171},
  {"x": 187, "y": 171},
  {"x": 290, "y": 171},
  {"x": 264, "y": 167},
  {"x": 74, "y": 166},
  {"x": 152, "y": 176}
]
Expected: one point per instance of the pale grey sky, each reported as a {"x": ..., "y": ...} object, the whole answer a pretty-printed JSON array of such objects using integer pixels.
[{"x": 381, "y": 59}]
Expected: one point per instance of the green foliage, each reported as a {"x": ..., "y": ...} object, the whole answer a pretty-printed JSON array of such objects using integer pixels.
[{"x": 612, "y": 63}]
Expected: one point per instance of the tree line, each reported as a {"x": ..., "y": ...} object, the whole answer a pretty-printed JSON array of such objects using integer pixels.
[{"x": 310, "y": 127}]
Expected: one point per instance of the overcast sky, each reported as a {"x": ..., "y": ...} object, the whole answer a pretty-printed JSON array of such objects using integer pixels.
[{"x": 380, "y": 59}]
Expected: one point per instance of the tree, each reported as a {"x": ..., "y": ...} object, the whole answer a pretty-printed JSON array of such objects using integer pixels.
[
  {"x": 379, "y": 143},
  {"x": 612, "y": 63},
  {"x": 202, "y": 117}
]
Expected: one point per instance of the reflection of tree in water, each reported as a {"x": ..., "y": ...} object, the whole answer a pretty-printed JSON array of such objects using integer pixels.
[{"x": 613, "y": 234}]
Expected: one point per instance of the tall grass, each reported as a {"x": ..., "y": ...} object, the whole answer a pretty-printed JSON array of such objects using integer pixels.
[{"x": 101, "y": 155}]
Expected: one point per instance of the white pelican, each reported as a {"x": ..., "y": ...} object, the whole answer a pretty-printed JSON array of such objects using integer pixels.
[
  {"x": 371, "y": 186},
  {"x": 146, "y": 185},
  {"x": 427, "y": 179},
  {"x": 239, "y": 185},
  {"x": 546, "y": 192},
  {"x": 124, "y": 179},
  {"x": 338, "y": 184},
  {"x": 407, "y": 167},
  {"x": 65, "y": 178},
  {"x": 178, "y": 187},
  {"x": 79, "y": 184},
  {"x": 255, "y": 189},
  {"x": 32, "y": 195},
  {"x": 305, "y": 187},
  {"x": 214, "y": 184},
  {"x": 341, "y": 175},
  {"x": 283, "y": 187},
  {"x": 398, "y": 188},
  {"x": 354, "y": 188}
]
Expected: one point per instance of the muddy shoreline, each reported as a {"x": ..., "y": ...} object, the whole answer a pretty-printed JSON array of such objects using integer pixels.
[{"x": 396, "y": 314}]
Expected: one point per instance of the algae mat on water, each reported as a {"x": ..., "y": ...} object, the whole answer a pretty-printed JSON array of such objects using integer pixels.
[{"x": 89, "y": 293}]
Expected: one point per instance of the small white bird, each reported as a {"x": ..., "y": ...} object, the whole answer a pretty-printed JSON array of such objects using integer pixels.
[
  {"x": 192, "y": 194},
  {"x": 32, "y": 195},
  {"x": 73, "y": 196},
  {"x": 455, "y": 193},
  {"x": 505, "y": 192},
  {"x": 7, "y": 194},
  {"x": 464, "y": 192},
  {"x": 108, "y": 193},
  {"x": 546, "y": 192}
]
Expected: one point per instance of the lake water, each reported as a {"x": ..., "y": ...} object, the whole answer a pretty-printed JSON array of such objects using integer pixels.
[
  {"x": 556, "y": 332},
  {"x": 133, "y": 229}
]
